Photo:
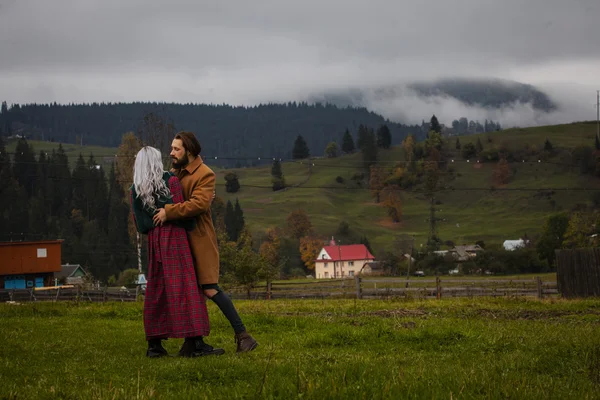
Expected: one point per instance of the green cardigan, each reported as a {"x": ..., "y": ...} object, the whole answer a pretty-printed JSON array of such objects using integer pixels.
[{"x": 143, "y": 215}]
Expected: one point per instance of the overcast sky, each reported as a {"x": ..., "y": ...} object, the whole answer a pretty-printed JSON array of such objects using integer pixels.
[{"x": 245, "y": 52}]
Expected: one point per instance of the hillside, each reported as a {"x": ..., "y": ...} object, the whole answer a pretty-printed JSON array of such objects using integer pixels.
[
  {"x": 470, "y": 210},
  {"x": 103, "y": 155}
]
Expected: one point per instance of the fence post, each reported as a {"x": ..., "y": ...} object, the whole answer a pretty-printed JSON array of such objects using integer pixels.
[
  {"x": 540, "y": 292},
  {"x": 57, "y": 293},
  {"x": 358, "y": 288},
  {"x": 269, "y": 289},
  {"x": 438, "y": 288}
]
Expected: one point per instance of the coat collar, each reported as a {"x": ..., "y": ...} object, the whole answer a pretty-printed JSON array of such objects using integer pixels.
[{"x": 193, "y": 166}]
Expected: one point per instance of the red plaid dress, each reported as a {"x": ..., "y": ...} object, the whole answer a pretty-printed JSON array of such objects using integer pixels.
[{"x": 174, "y": 307}]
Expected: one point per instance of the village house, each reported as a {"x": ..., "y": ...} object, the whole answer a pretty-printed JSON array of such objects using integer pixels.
[
  {"x": 70, "y": 274},
  {"x": 28, "y": 265},
  {"x": 341, "y": 261}
]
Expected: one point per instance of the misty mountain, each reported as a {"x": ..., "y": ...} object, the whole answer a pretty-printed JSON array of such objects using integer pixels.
[
  {"x": 490, "y": 93},
  {"x": 483, "y": 93}
]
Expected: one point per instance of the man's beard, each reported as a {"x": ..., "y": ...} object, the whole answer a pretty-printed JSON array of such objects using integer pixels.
[{"x": 180, "y": 163}]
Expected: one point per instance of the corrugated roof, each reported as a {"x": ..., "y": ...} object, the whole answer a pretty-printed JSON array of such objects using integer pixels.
[
  {"x": 348, "y": 252},
  {"x": 66, "y": 270}
]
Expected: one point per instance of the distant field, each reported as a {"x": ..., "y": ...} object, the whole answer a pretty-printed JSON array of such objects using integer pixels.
[
  {"x": 469, "y": 210},
  {"x": 330, "y": 349},
  {"x": 103, "y": 155}
]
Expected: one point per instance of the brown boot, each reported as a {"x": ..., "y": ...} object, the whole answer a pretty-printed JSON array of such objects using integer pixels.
[{"x": 245, "y": 342}]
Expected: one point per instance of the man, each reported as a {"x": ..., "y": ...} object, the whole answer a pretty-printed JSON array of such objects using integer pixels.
[{"x": 198, "y": 184}]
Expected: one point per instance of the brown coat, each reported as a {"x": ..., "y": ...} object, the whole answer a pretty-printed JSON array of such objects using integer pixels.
[{"x": 198, "y": 185}]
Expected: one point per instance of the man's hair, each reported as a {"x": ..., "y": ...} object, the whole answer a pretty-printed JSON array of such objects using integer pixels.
[{"x": 190, "y": 142}]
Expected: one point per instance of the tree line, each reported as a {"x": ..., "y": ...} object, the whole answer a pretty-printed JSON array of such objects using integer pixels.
[{"x": 266, "y": 130}]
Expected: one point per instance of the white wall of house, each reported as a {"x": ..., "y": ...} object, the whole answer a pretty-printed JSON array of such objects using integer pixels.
[{"x": 325, "y": 268}]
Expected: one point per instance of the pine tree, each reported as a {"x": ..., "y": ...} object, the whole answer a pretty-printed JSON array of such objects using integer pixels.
[
  {"x": 230, "y": 223},
  {"x": 238, "y": 218},
  {"x": 96, "y": 194},
  {"x": 363, "y": 136},
  {"x": 547, "y": 145},
  {"x": 478, "y": 146},
  {"x": 434, "y": 125},
  {"x": 25, "y": 166},
  {"x": 5, "y": 123},
  {"x": 118, "y": 215},
  {"x": 60, "y": 184},
  {"x": 457, "y": 144},
  {"x": 347, "y": 143},
  {"x": 277, "y": 178},
  {"x": 384, "y": 137},
  {"x": 369, "y": 150},
  {"x": 41, "y": 182},
  {"x": 81, "y": 175},
  {"x": 300, "y": 150}
]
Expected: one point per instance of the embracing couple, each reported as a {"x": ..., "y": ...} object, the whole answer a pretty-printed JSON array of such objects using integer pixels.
[{"x": 173, "y": 209}]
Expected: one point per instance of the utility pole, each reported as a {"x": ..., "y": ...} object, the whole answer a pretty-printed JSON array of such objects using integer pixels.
[{"x": 433, "y": 236}]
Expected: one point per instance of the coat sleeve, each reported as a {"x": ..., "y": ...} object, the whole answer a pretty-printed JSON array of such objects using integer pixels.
[{"x": 198, "y": 203}]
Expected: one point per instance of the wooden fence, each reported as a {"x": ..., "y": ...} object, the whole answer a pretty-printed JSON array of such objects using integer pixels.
[
  {"x": 69, "y": 294},
  {"x": 361, "y": 288},
  {"x": 578, "y": 272}
]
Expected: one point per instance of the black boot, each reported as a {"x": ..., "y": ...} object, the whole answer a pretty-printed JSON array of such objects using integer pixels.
[
  {"x": 155, "y": 349},
  {"x": 195, "y": 347}
]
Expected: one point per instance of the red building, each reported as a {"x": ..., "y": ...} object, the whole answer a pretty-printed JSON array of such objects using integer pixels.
[{"x": 29, "y": 264}]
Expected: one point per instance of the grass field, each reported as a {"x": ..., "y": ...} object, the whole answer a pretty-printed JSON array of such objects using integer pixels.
[
  {"x": 469, "y": 209},
  {"x": 71, "y": 150},
  {"x": 463, "y": 349}
]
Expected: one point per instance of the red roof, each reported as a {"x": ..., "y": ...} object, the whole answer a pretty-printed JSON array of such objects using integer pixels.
[{"x": 348, "y": 252}]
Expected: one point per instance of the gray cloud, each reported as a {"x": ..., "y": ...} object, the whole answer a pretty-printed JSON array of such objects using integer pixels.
[{"x": 244, "y": 52}]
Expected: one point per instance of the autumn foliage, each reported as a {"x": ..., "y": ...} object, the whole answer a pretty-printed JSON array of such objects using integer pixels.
[
  {"x": 502, "y": 172},
  {"x": 392, "y": 202},
  {"x": 309, "y": 250},
  {"x": 298, "y": 224}
]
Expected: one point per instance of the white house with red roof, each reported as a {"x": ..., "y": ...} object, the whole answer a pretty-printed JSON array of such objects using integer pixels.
[{"x": 341, "y": 261}]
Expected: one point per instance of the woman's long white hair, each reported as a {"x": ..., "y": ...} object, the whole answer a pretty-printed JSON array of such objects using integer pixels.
[{"x": 148, "y": 177}]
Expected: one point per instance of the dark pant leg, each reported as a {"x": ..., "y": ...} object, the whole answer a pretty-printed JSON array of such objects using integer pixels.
[{"x": 227, "y": 308}]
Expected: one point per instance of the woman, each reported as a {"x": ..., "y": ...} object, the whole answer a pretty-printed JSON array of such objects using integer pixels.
[{"x": 173, "y": 305}]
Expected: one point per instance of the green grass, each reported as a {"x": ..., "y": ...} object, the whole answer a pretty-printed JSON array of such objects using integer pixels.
[
  {"x": 469, "y": 215},
  {"x": 483, "y": 348},
  {"x": 102, "y": 155}
]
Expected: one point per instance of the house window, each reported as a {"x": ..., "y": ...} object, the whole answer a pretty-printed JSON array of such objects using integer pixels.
[
  {"x": 351, "y": 263},
  {"x": 325, "y": 265},
  {"x": 351, "y": 273}
]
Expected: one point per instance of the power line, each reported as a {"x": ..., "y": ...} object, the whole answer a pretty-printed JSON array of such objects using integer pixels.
[{"x": 316, "y": 163}]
